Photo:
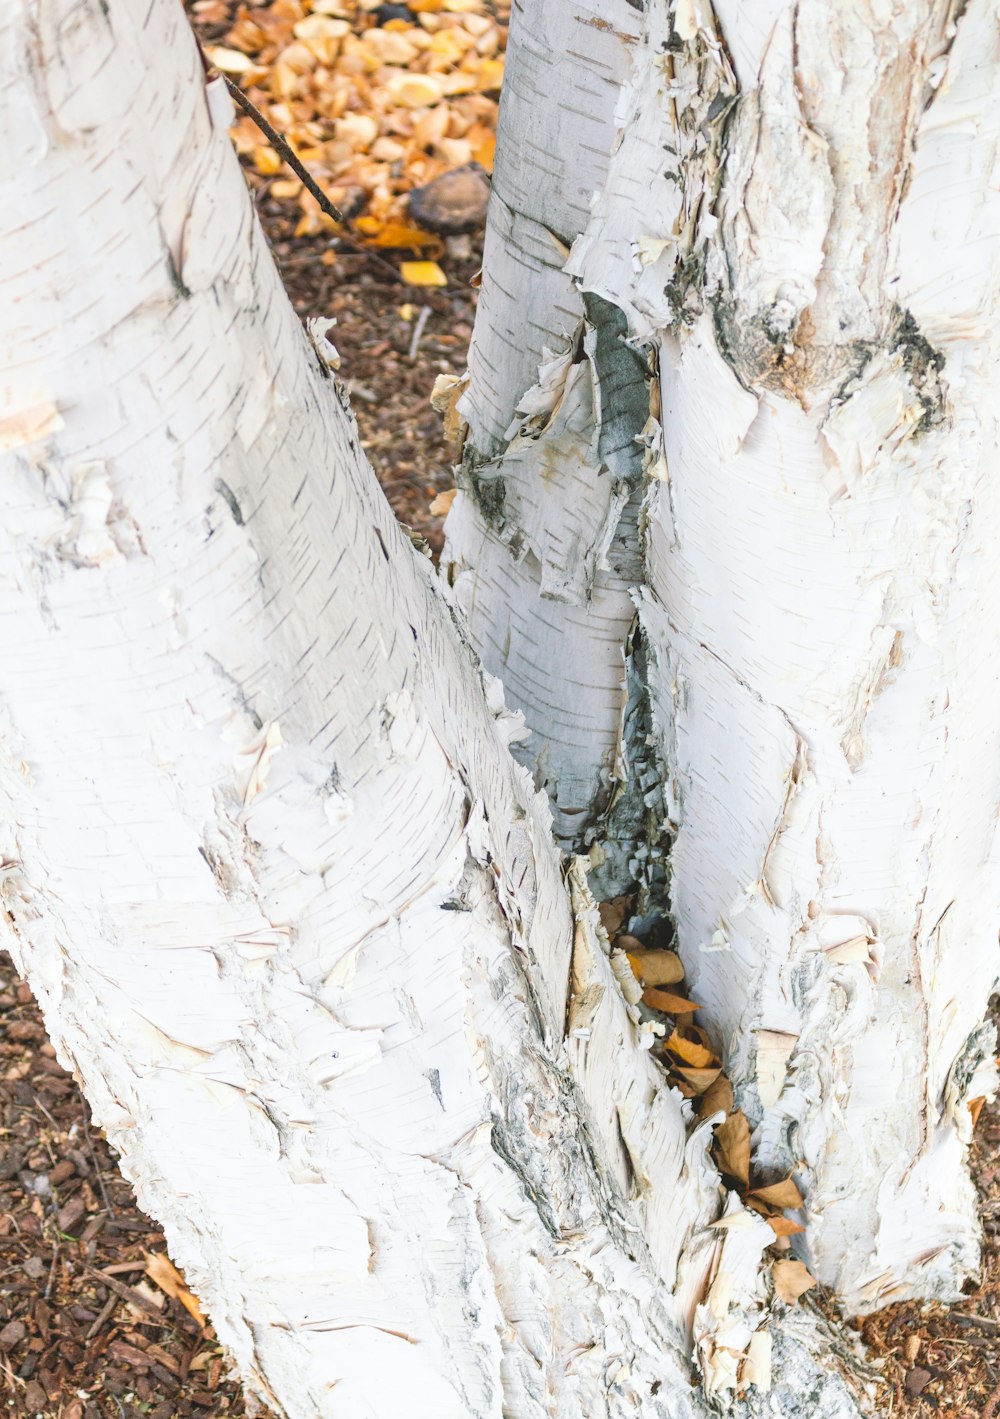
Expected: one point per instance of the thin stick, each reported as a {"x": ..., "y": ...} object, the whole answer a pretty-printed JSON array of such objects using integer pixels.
[
  {"x": 93, "y": 1156},
  {"x": 284, "y": 150}
]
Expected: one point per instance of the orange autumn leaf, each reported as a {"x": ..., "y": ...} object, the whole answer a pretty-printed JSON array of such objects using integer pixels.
[
  {"x": 690, "y": 1052},
  {"x": 441, "y": 505},
  {"x": 784, "y": 1226},
  {"x": 161, "y": 1270},
  {"x": 975, "y": 1107},
  {"x": 669, "y": 1002}
]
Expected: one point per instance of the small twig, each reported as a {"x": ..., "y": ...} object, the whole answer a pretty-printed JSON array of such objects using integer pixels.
[
  {"x": 418, "y": 331},
  {"x": 98, "y": 1324},
  {"x": 284, "y": 150},
  {"x": 52, "y": 1272},
  {"x": 93, "y": 1156},
  {"x": 134, "y": 1298}
]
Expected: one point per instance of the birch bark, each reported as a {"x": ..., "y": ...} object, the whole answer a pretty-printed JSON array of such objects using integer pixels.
[
  {"x": 293, "y": 913},
  {"x": 798, "y": 215}
]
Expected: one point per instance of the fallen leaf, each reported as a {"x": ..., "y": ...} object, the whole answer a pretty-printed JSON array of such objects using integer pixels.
[
  {"x": 612, "y": 915},
  {"x": 668, "y": 1001},
  {"x": 717, "y": 1098},
  {"x": 422, "y": 273},
  {"x": 732, "y": 1147},
  {"x": 691, "y": 1053},
  {"x": 975, "y": 1107},
  {"x": 784, "y": 1226},
  {"x": 699, "y": 1079},
  {"x": 792, "y": 1279},
  {"x": 441, "y": 505},
  {"x": 161, "y": 1270},
  {"x": 655, "y": 967},
  {"x": 780, "y": 1194},
  {"x": 917, "y": 1381}
]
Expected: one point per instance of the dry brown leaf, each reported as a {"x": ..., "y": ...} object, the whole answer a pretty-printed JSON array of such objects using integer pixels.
[
  {"x": 654, "y": 967},
  {"x": 780, "y": 1194},
  {"x": 717, "y": 1098},
  {"x": 612, "y": 915},
  {"x": 161, "y": 1270},
  {"x": 669, "y": 1002},
  {"x": 792, "y": 1279},
  {"x": 975, "y": 1107},
  {"x": 732, "y": 1147},
  {"x": 699, "y": 1079}
]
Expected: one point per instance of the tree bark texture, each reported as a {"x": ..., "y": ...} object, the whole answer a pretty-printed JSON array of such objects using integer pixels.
[
  {"x": 796, "y": 229},
  {"x": 294, "y": 915}
]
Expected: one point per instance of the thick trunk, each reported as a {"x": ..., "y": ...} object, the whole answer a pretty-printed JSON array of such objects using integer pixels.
[
  {"x": 825, "y": 619},
  {"x": 813, "y": 264},
  {"x": 293, "y": 913}
]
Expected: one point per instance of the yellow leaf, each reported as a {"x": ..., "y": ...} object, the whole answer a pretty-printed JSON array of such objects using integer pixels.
[
  {"x": 161, "y": 1270},
  {"x": 791, "y": 1280},
  {"x": 396, "y": 235},
  {"x": 266, "y": 161},
  {"x": 230, "y": 61},
  {"x": 422, "y": 273},
  {"x": 489, "y": 75},
  {"x": 415, "y": 90},
  {"x": 484, "y": 151}
]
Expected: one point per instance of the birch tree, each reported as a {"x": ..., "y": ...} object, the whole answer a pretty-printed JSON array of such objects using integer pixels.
[{"x": 298, "y": 919}]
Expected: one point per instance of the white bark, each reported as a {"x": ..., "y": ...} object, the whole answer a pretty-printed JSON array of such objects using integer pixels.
[
  {"x": 543, "y": 548},
  {"x": 816, "y": 268},
  {"x": 293, "y": 914},
  {"x": 826, "y": 617}
]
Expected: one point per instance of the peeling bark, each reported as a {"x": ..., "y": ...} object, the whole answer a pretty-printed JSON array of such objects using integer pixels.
[
  {"x": 293, "y": 914},
  {"x": 797, "y": 217}
]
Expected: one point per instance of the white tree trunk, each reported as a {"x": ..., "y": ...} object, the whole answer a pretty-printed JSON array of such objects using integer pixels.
[
  {"x": 293, "y": 913},
  {"x": 808, "y": 241}
]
